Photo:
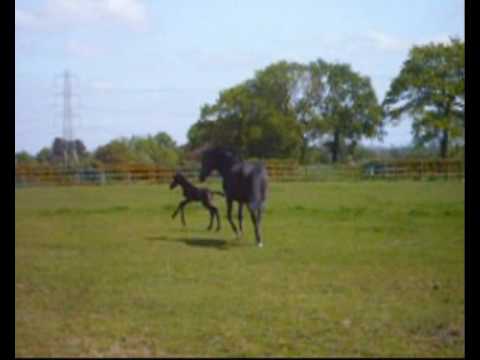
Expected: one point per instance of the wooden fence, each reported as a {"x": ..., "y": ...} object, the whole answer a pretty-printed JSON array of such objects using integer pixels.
[
  {"x": 424, "y": 169},
  {"x": 278, "y": 170}
]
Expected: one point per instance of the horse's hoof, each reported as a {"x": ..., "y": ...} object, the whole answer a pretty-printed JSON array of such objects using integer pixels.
[{"x": 260, "y": 244}]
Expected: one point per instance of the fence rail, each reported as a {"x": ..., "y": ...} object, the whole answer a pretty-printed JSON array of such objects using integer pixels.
[{"x": 277, "y": 170}]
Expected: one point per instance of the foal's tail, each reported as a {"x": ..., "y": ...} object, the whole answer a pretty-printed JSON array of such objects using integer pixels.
[{"x": 218, "y": 193}]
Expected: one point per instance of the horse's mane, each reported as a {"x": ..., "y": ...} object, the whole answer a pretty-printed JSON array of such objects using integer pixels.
[{"x": 228, "y": 150}]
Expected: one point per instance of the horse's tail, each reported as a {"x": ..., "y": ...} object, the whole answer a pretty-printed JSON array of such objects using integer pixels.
[
  {"x": 259, "y": 194},
  {"x": 218, "y": 193}
]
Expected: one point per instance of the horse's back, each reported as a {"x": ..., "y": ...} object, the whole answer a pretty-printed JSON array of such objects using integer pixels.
[{"x": 249, "y": 183}]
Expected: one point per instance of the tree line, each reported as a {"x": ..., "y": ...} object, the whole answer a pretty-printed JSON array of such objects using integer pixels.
[
  {"x": 159, "y": 149},
  {"x": 318, "y": 111}
]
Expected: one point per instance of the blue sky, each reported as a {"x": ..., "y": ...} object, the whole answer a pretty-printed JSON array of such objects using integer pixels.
[{"x": 141, "y": 67}]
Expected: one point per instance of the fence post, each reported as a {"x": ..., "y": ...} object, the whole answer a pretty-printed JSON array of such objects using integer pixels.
[{"x": 102, "y": 178}]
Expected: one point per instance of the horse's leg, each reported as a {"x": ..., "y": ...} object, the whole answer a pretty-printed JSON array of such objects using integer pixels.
[
  {"x": 229, "y": 216},
  {"x": 212, "y": 212},
  {"x": 218, "y": 218},
  {"x": 256, "y": 216},
  {"x": 240, "y": 217},
  {"x": 258, "y": 230}
]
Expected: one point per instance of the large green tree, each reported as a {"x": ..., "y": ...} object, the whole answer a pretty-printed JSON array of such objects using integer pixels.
[
  {"x": 200, "y": 133},
  {"x": 286, "y": 106},
  {"x": 342, "y": 107},
  {"x": 283, "y": 87},
  {"x": 431, "y": 89},
  {"x": 257, "y": 116}
]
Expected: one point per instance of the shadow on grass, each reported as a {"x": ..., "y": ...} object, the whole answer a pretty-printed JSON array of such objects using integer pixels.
[
  {"x": 206, "y": 242},
  {"x": 196, "y": 242}
]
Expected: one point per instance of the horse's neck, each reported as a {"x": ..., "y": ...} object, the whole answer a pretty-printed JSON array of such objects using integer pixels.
[
  {"x": 226, "y": 167},
  {"x": 228, "y": 173},
  {"x": 225, "y": 172}
]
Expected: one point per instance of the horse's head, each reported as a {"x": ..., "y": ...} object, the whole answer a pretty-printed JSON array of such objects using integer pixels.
[
  {"x": 208, "y": 165},
  {"x": 218, "y": 158}
]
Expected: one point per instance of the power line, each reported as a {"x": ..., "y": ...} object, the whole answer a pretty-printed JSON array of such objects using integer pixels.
[
  {"x": 138, "y": 110},
  {"x": 129, "y": 91}
]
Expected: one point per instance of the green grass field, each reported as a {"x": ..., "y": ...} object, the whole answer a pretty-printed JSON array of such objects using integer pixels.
[{"x": 348, "y": 269}]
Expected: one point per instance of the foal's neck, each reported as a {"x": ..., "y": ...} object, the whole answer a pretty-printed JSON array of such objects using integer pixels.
[{"x": 186, "y": 184}]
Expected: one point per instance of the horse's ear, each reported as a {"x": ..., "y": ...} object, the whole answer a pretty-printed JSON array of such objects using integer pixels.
[
  {"x": 233, "y": 153},
  {"x": 197, "y": 153}
]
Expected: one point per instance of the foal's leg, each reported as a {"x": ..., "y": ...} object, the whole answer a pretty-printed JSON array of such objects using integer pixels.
[
  {"x": 214, "y": 213},
  {"x": 229, "y": 216},
  {"x": 182, "y": 213},
  {"x": 180, "y": 208},
  {"x": 182, "y": 203},
  {"x": 211, "y": 211}
]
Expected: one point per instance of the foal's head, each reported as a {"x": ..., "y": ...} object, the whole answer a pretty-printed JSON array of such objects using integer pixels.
[{"x": 178, "y": 179}]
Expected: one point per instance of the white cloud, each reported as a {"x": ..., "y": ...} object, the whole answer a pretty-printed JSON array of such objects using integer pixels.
[
  {"x": 57, "y": 13},
  {"x": 102, "y": 85},
  {"x": 131, "y": 11},
  {"x": 440, "y": 38},
  {"x": 218, "y": 59},
  {"x": 83, "y": 49},
  {"x": 387, "y": 42},
  {"x": 25, "y": 19}
]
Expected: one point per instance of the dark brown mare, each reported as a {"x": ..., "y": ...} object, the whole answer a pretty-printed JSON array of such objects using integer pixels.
[{"x": 243, "y": 181}]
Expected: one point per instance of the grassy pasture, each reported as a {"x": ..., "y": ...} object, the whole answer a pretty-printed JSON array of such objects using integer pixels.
[{"x": 348, "y": 269}]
